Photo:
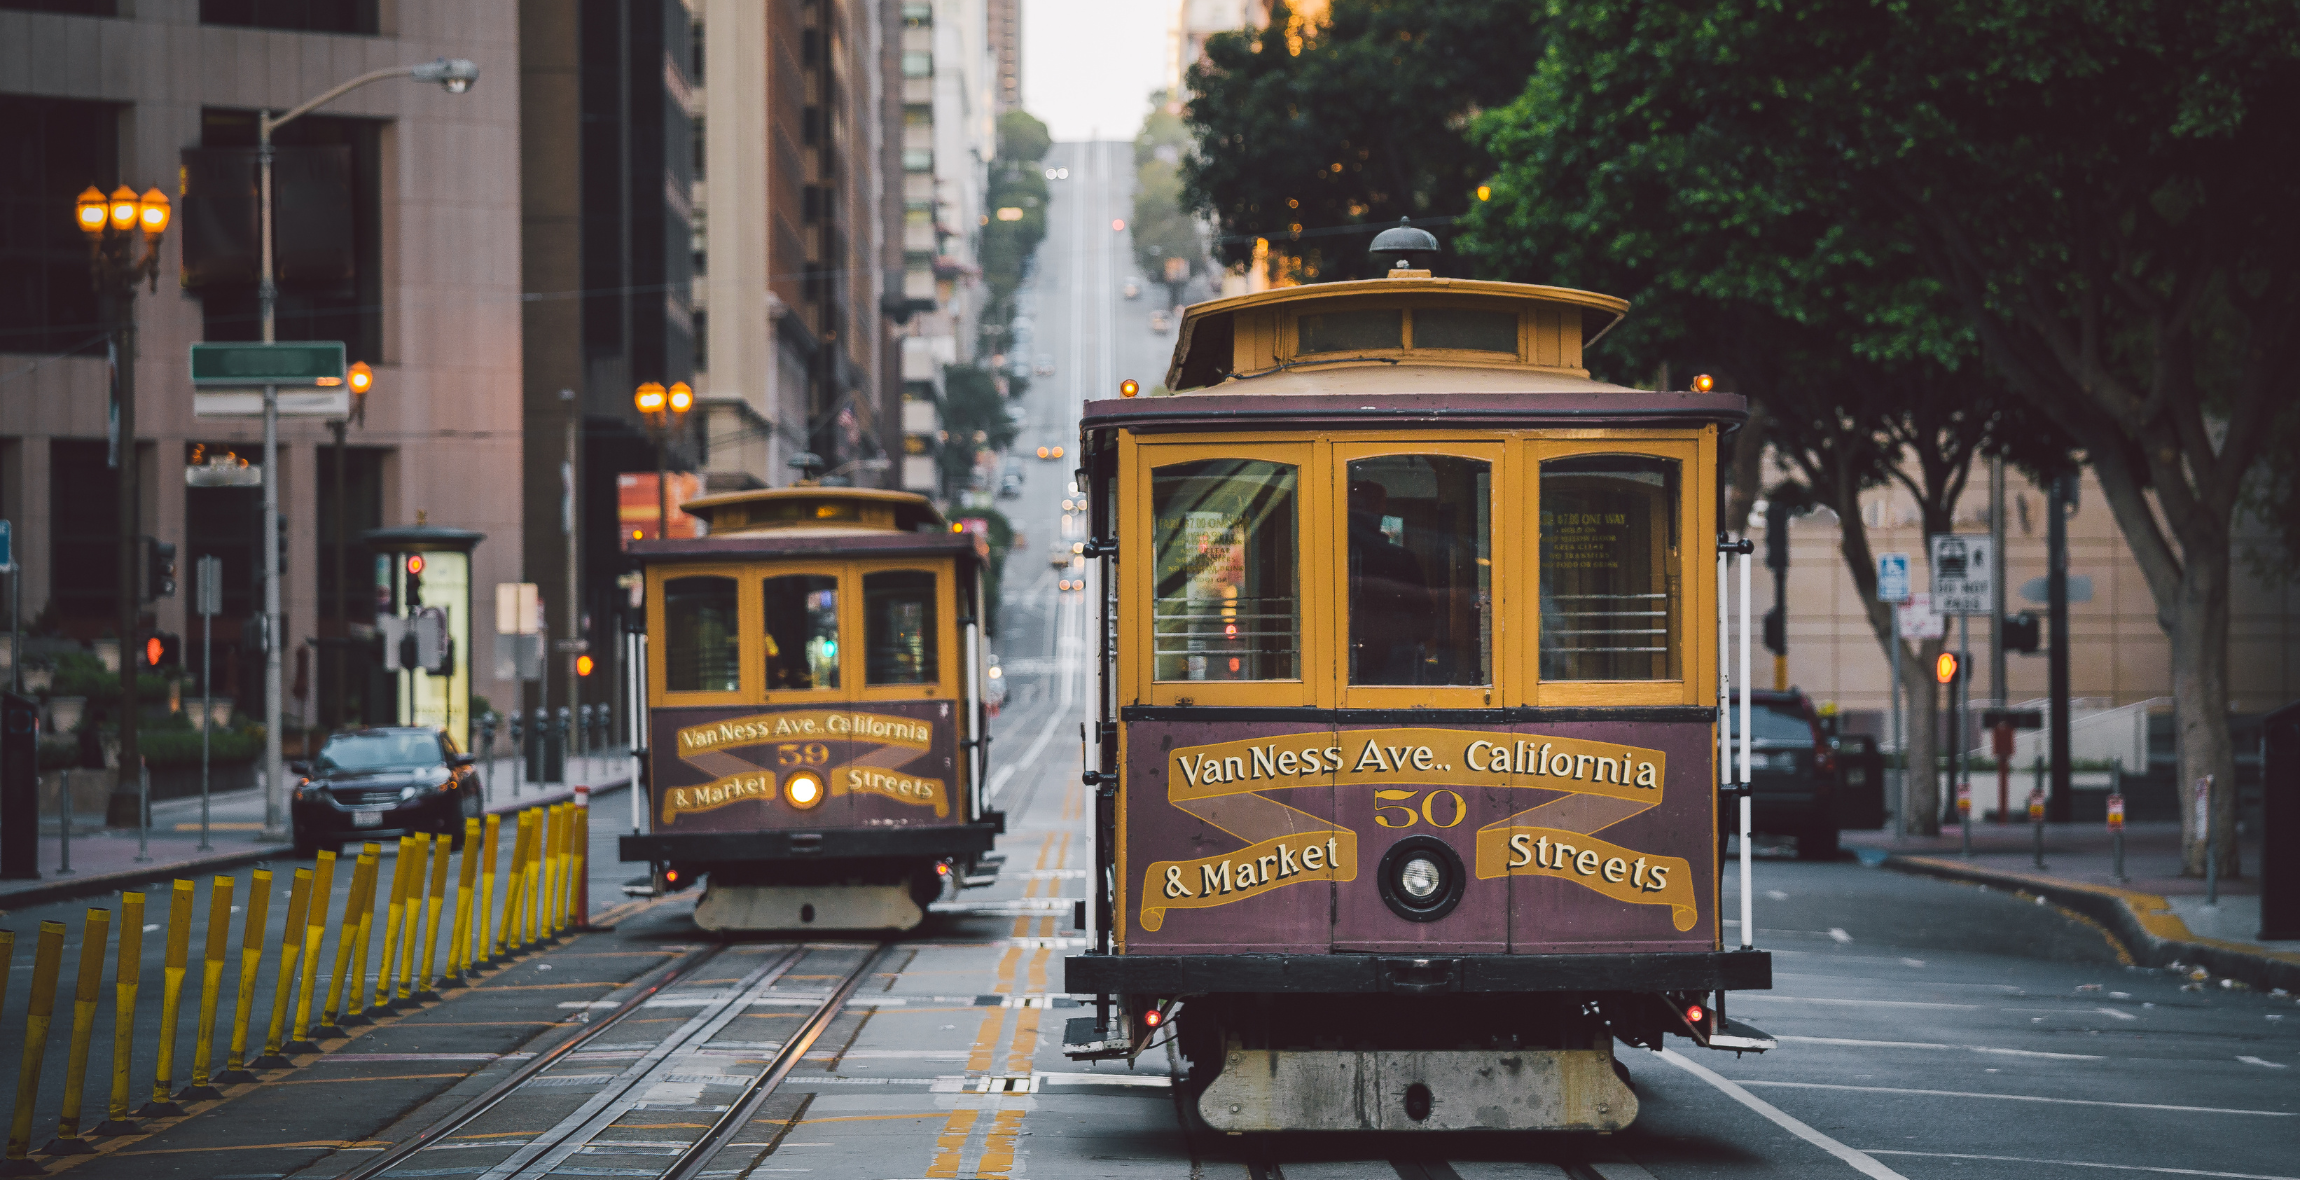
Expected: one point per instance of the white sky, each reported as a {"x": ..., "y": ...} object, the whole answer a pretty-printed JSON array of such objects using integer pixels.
[{"x": 1088, "y": 66}]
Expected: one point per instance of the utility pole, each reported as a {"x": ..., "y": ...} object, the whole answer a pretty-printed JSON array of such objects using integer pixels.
[
  {"x": 1777, "y": 560},
  {"x": 1997, "y": 684},
  {"x": 2062, "y": 504}
]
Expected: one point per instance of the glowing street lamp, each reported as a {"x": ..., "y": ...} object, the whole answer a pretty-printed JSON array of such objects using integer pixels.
[{"x": 664, "y": 411}]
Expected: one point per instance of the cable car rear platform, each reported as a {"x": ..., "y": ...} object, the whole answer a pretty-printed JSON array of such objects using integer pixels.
[
  {"x": 1344, "y": 973},
  {"x": 700, "y": 848}
]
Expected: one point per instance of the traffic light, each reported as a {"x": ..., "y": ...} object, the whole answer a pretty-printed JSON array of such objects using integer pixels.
[
  {"x": 162, "y": 650},
  {"x": 1777, "y": 630},
  {"x": 413, "y": 595},
  {"x": 1947, "y": 666},
  {"x": 1776, "y": 534},
  {"x": 159, "y": 568},
  {"x": 2022, "y": 633},
  {"x": 583, "y": 666}
]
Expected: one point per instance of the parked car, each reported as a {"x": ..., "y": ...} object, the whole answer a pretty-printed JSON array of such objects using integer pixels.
[
  {"x": 1045, "y": 365},
  {"x": 1132, "y": 288},
  {"x": 1792, "y": 772},
  {"x": 394, "y": 781}
]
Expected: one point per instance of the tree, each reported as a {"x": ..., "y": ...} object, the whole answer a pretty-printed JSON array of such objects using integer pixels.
[
  {"x": 1017, "y": 183},
  {"x": 1306, "y": 132},
  {"x": 1860, "y": 369},
  {"x": 1166, "y": 244},
  {"x": 2090, "y": 186}
]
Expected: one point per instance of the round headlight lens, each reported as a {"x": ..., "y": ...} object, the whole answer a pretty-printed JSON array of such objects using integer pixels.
[
  {"x": 803, "y": 790},
  {"x": 1421, "y": 878}
]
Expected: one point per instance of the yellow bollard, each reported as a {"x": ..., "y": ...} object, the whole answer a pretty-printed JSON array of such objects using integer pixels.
[
  {"x": 546, "y": 869},
  {"x": 562, "y": 822},
  {"x": 459, "y": 929},
  {"x": 251, "y": 958},
  {"x": 582, "y": 892},
  {"x": 314, "y": 929},
  {"x": 434, "y": 900},
  {"x": 511, "y": 943},
  {"x": 7, "y": 964},
  {"x": 489, "y": 946},
  {"x": 411, "y": 919},
  {"x": 95, "y": 939},
  {"x": 538, "y": 875},
  {"x": 47, "y": 960},
  {"x": 211, "y": 985},
  {"x": 127, "y": 973},
  {"x": 291, "y": 957},
  {"x": 171, "y": 1001},
  {"x": 347, "y": 988},
  {"x": 393, "y": 903}
]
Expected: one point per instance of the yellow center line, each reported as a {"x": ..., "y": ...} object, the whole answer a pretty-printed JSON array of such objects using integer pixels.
[
  {"x": 998, "y": 1146},
  {"x": 1025, "y": 1040},
  {"x": 950, "y": 1143},
  {"x": 986, "y": 1040},
  {"x": 1038, "y": 970},
  {"x": 1004, "y": 982}
]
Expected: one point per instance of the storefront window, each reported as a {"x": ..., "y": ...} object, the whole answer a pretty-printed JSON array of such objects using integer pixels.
[
  {"x": 1421, "y": 570},
  {"x": 702, "y": 649},
  {"x": 1226, "y": 602},
  {"x": 899, "y": 628},
  {"x": 1610, "y": 579},
  {"x": 802, "y": 622}
]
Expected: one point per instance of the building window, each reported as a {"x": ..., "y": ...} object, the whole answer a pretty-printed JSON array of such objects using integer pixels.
[
  {"x": 295, "y": 16},
  {"x": 84, "y": 533},
  {"x": 50, "y": 149}
]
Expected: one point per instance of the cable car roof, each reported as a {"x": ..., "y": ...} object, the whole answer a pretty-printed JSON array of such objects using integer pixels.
[{"x": 815, "y": 508}]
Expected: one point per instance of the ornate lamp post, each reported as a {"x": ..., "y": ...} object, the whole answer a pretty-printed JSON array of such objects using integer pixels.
[
  {"x": 112, "y": 225},
  {"x": 361, "y": 378},
  {"x": 664, "y": 411}
]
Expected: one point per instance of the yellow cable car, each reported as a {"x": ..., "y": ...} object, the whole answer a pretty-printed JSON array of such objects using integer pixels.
[
  {"x": 1408, "y": 717},
  {"x": 815, "y": 716}
]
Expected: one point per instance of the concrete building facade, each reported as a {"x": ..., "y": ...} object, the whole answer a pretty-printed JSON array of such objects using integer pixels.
[{"x": 107, "y": 93}]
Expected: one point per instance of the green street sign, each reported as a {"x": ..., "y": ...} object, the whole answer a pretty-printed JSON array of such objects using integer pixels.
[{"x": 304, "y": 364}]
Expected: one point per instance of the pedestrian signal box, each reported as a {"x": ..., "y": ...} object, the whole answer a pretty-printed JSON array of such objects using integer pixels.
[{"x": 1946, "y": 666}]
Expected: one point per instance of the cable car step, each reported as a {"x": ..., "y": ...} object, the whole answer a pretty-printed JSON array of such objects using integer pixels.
[
  {"x": 639, "y": 887},
  {"x": 1741, "y": 1038},
  {"x": 1084, "y": 1039}
]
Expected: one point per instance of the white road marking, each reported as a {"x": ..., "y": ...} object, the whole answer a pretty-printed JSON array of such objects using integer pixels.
[
  {"x": 1908, "y": 962},
  {"x": 2274, "y": 1114},
  {"x": 1741, "y": 996},
  {"x": 1838, "y": 933},
  {"x": 1936, "y": 1045},
  {"x": 2119, "y": 1013},
  {"x": 1859, "y": 1161},
  {"x": 1775, "y": 895},
  {"x": 2015, "y": 1159},
  {"x": 2249, "y": 1060}
]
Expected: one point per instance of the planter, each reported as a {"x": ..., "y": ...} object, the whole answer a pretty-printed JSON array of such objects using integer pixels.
[
  {"x": 65, "y": 713},
  {"x": 219, "y": 715},
  {"x": 38, "y": 679},
  {"x": 108, "y": 653}
]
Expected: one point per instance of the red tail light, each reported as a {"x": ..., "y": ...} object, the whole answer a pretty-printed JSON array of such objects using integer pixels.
[
  {"x": 1153, "y": 1018},
  {"x": 1694, "y": 1013}
]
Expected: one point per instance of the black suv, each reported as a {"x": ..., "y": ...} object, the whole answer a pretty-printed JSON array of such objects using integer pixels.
[
  {"x": 387, "y": 782},
  {"x": 1792, "y": 772}
]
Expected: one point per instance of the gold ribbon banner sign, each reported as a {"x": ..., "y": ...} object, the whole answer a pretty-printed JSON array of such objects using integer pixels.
[
  {"x": 800, "y": 738},
  {"x": 712, "y": 796},
  {"x": 1602, "y": 785}
]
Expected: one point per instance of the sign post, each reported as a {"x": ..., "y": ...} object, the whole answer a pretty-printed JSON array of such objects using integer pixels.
[
  {"x": 244, "y": 380},
  {"x": 207, "y": 599},
  {"x": 15, "y": 606},
  {"x": 1893, "y": 588}
]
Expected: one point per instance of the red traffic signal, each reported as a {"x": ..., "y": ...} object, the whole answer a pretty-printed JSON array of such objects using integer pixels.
[
  {"x": 583, "y": 665},
  {"x": 1946, "y": 666}
]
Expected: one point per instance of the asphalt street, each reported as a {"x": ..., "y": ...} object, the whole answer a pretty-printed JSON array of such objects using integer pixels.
[{"x": 1926, "y": 1029}]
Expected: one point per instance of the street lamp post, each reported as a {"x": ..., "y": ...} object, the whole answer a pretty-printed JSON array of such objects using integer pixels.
[
  {"x": 360, "y": 378},
  {"x": 112, "y": 224},
  {"x": 664, "y": 411},
  {"x": 456, "y": 76}
]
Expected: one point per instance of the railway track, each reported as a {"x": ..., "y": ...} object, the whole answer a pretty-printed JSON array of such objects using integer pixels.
[{"x": 576, "y": 1099}]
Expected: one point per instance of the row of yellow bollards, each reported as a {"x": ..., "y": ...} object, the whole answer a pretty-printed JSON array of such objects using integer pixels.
[{"x": 539, "y": 900}]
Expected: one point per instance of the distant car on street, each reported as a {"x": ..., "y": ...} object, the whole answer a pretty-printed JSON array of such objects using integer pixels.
[
  {"x": 1792, "y": 772},
  {"x": 1132, "y": 288},
  {"x": 1045, "y": 365},
  {"x": 1158, "y": 322}
]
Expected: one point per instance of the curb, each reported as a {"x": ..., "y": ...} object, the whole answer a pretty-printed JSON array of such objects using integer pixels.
[
  {"x": 2144, "y": 922},
  {"x": 94, "y": 883},
  {"x": 87, "y": 885}
]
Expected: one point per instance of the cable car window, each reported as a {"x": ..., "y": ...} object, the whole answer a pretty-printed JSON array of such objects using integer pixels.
[
  {"x": 1610, "y": 582},
  {"x": 802, "y": 624},
  {"x": 1226, "y": 601},
  {"x": 899, "y": 628},
  {"x": 702, "y": 650},
  {"x": 1421, "y": 570},
  {"x": 1468, "y": 328},
  {"x": 1353, "y": 331}
]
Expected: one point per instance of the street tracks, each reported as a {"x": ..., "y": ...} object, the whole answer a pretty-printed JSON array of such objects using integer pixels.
[{"x": 564, "y": 1104}]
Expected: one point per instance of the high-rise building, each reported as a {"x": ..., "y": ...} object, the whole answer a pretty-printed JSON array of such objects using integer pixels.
[{"x": 1006, "y": 47}]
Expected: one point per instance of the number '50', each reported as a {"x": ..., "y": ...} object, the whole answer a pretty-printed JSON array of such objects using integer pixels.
[{"x": 1409, "y": 814}]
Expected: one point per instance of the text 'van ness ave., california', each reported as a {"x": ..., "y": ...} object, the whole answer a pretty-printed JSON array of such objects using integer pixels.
[
  {"x": 1418, "y": 756},
  {"x": 805, "y": 725}
]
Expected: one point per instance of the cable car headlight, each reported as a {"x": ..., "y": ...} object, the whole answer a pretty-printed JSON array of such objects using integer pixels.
[
  {"x": 804, "y": 790},
  {"x": 1421, "y": 878}
]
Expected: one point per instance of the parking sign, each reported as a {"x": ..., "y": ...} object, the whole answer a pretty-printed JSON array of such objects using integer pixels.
[
  {"x": 1964, "y": 573},
  {"x": 1892, "y": 577}
]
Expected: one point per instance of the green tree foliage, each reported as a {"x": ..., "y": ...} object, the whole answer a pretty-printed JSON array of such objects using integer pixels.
[
  {"x": 974, "y": 416},
  {"x": 1016, "y": 182},
  {"x": 1162, "y": 227},
  {"x": 2086, "y": 188},
  {"x": 1304, "y": 129}
]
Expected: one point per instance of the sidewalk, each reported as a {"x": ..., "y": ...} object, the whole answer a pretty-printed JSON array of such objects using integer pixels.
[
  {"x": 105, "y": 859},
  {"x": 2160, "y": 915}
]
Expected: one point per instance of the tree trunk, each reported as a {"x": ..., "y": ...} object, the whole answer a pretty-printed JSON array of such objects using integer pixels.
[
  {"x": 1921, "y": 760},
  {"x": 2204, "y": 750}
]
